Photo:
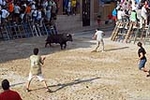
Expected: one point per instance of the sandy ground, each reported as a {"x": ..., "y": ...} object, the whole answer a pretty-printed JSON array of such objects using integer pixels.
[{"x": 76, "y": 73}]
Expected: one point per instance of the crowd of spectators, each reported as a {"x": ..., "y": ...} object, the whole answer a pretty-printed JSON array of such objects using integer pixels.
[
  {"x": 70, "y": 7},
  {"x": 37, "y": 11},
  {"x": 136, "y": 11}
]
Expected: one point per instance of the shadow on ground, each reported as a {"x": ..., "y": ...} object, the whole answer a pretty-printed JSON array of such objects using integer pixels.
[
  {"x": 113, "y": 49},
  {"x": 63, "y": 85}
]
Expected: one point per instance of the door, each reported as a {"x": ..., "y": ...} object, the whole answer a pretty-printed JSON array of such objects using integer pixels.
[{"x": 86, "y": 12}]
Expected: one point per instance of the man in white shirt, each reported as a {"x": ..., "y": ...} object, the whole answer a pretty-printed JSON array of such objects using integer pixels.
[
  {"x": 120, "y": 14},
  {"x": 99, "y": 37},
  {"x": 4, "y": 15},
  {"x": 39, "y": 18},
  {"x": 144, "y": 15},
  {"x": 16, "y": 12},
  {"x": 2, "y": 2}
]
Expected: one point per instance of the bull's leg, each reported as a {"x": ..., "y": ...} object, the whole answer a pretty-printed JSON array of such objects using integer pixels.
[
  {"x": 65, "y": 44},
  {"x": 61, "y": 46},
  {"x": 50, "y": 44},
  {"x": 46, "y": 44}
]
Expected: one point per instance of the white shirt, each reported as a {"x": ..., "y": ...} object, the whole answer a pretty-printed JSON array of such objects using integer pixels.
[
  {"x": 138, "y": 13},
  {"x": 2, "y": 2},
  {"x": 34, "y": 13},
  {"x": 5, "y": 13},
  {"x": 120, "y": 14},
  {"x": 17, "y": 9},
  {"x": 33, "y": 6},
  {"x": 144, "y": 12},
  {"x": 39, "y": 14},
  {"x": 99, "y": 35},
  {"x": 45, "y": 4}
]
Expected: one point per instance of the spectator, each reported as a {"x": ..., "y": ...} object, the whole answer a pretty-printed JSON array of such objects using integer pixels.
[
  {"x": 74, "y": 6},
  {"x": 11, "y": 9},
  {"x": 65, "y": 6},
  {"x": 120, "y": 14},
  {"x": 23, "y": 12},
  {"x": 114, "y": 16},
  {"x": 133, "y": 18},
  {"x": 16, "y": 12},
  {"x": 44, "y": 5},
  {"x": 109, "y": 20},
  {"x": 0, "y": 15},
  {"x": 5, "y": 15},
  {"x": 34, "y": 14},
  {"x": 48, "y": 13},
  {"x": 69, "y": 8},
  {"x": 28, "y": 12},
  {"x": 54, "y": 8},
  {"x": 39, "y": 16},
  {"x": 3, "y": 2},
  {"x": 143, "y": 16},
  {"x": 8, "y": 94}
]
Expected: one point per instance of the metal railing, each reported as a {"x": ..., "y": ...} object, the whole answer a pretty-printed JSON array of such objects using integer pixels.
[{"x": 28, "y": 29}]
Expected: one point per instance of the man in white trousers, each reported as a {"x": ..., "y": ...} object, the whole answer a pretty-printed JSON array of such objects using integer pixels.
[{"x": 99, "y": 37}]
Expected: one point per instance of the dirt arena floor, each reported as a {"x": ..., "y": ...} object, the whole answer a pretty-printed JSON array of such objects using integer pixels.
[{"x": 76, "y": 73}]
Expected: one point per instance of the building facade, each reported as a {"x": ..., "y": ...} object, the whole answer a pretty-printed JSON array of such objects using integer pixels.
[{"x": 87, "y": 9}]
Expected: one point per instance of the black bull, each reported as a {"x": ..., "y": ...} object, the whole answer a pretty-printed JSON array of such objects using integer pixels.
[{"x": 59, "y": 38}]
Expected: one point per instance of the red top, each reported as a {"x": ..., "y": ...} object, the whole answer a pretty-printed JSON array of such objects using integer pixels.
[{"x": 9, "y": 95}]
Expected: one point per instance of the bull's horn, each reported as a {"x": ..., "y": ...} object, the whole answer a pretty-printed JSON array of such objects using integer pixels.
[{"x": 68, "y": 34}]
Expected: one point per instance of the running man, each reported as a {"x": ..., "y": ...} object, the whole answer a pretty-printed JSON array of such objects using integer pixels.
[
  {"x": 99, "y": 37},
  {"x": 142, "y": 58}
]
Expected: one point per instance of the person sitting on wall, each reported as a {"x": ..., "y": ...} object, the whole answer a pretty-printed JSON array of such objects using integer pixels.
[{"x": 114, "y": 15}]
